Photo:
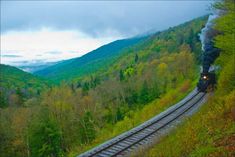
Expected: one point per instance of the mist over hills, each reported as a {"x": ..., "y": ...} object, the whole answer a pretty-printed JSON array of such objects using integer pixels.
[
  {"x": 109, "y": 86},
  {"x": 68, "y": 107},
  {"x": 33, "y": 67},
  {"x": 90, "y": 62}
]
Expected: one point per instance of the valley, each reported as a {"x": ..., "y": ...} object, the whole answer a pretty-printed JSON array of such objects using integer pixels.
[{"x": 74, "y": 105}]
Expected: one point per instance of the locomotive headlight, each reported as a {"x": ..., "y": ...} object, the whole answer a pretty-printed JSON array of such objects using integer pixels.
[{"x": 204, "y": 77}]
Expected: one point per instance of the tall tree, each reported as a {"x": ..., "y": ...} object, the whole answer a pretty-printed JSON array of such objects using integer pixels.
[
  {"x": 3, "y": 101},
  {"x": 136, "y": 58},
  {"x": 121, "y": 75},
  {"x": 87, "y": 131},
  {"x": 45, "y": 139},
  {"x": 20, "y": 96},
  {"x": 144, "y": 93}
]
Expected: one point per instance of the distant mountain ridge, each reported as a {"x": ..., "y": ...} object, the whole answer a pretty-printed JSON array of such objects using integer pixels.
[
  {"x": 16, "y": 85},
  {"x": 102, "y": 58},
  {"x": 12, "y": 78},
  {"x": 32, "y": 67},
  {"x": 88, "y": 63}
]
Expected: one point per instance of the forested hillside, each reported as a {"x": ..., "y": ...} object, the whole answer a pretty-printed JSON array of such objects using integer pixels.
[
  {"x": 213, "y": 129},
  {"x": 69, "y": 118},
  {"x": 16, "y": 86},
  {"x": 105, "y": 56},
  {"x": 95, "y": 60}
]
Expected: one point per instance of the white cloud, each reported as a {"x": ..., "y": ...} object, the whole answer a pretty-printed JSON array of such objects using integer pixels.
[{"x": 49, "y": 45}]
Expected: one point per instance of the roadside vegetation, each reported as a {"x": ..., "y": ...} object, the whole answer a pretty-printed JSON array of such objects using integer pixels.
[{"x": 210, "y": 132}]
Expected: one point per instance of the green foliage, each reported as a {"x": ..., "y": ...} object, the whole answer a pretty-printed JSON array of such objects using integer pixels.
[
  {"x": 16, "y": 85},
  {"x": 88, "y": 132},
  {"x": 122, "y": 90},
  {"x": 225, "y": 42},
  {"x": 45, "y": 139},
  {"x": 121, "y": 75},
  {"x": 132, "y": 99},
  {"x": 85, "y": 88},
  {"x": 95, "y": 60},
  {"x": 119, "y": 115},
  {"x": 3, "y": 101},
  {"x": 107, "y": 55},
  {"x": 133, "y": 119},
  {"x": 128, "y": 72},
  {"x": 14, "y": 79},
  {"x": 65, "y": 108},
  {"x": 144, "y": 94},
  {"x": 20, "y": 96},
  {"x": 210, "y": 135},
  {"x": 213, "y": 129},
  {"x": 136, "y": 58},
  {"x": 226, "y": 25}
]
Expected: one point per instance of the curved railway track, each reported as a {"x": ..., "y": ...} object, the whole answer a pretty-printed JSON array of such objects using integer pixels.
[{"x": 140, "y": 135}]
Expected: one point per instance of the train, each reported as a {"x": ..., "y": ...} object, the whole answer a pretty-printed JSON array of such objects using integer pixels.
[
  {"x": 206, "y": 82},
  {"x": 210, "y": 52}
]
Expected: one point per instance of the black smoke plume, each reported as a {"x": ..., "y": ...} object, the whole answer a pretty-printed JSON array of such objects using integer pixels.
[{"x": 207, "y": 35}]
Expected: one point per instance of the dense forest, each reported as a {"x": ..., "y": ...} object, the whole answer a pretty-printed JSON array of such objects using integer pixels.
[
  {"x": 16, "y": 86},
  {"x": 66, "y": 119},
  {"x": 142, "y": 78}
]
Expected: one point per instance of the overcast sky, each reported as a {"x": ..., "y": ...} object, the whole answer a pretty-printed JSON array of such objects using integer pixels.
[{"x": 56, "y": 30}]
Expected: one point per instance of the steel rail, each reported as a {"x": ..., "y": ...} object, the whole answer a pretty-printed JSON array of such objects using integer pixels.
[
  {"x": 153, "y": 132},
  {"x": 102, "y": 149}
]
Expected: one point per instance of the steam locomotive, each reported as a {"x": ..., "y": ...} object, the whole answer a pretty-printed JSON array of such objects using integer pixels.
[
  {"x": 206, "y": 82},
  {"x": 207, "y": 79}
]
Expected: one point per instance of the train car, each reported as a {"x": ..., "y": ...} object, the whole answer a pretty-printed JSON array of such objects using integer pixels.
[{"x": 206, "y": 82}]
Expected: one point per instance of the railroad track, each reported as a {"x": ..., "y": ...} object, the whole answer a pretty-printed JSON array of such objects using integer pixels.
[{"x": 140, "y": 135}]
